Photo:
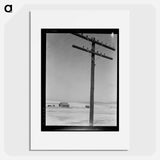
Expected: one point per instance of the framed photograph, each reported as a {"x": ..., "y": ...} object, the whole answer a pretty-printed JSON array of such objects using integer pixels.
[{"x": 79, "y": 80}]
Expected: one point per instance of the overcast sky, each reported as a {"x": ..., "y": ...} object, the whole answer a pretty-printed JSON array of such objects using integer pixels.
[{"x": 68, "y": 69}]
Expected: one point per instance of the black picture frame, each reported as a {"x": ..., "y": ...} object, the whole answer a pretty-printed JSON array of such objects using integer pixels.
[{"x": 45, "y": 127}]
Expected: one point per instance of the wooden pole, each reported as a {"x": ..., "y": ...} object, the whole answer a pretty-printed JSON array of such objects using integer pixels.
[
  {"x": 91, "y": 115},
  {"x": 93, "y": 53}
]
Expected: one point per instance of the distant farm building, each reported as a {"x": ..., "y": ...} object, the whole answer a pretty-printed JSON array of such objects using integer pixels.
[
  {"x": 87, "y": 106},
  {"x": 64, "y": 104},
  {"x": 50, "y": 105}
]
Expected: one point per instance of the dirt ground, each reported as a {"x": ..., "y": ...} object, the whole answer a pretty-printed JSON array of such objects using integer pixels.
[{"x": 104, "y": 115}]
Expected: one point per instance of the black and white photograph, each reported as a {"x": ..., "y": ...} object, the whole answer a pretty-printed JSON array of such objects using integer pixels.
[{"x": 80, "y": 79}]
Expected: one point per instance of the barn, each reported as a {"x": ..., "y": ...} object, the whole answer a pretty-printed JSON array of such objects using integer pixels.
[{"x": 64, "y": 104}]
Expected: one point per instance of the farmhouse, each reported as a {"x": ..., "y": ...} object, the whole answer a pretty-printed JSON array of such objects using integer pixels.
[
  {"x": 87, "y": 106},
  {"x": 50, "y": 105},
  {"x": 64, "y": 104}
]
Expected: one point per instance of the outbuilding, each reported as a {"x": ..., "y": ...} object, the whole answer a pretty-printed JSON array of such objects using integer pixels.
[{"x": 64, "y": 104}]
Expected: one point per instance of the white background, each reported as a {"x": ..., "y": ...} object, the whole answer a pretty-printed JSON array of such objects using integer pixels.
[
  {"x": 79, "y": 19},
  {"x": 144, "y": 80}
]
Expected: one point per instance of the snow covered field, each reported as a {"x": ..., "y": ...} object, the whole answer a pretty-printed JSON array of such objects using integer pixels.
[{"x": 78, "y": 115}]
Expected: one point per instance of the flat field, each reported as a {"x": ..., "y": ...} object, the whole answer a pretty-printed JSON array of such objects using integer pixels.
[{"x": 78, "y": 115}]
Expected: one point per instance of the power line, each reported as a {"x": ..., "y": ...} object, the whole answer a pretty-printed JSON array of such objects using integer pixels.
[
  {"x": 93, "y": 40},
  {"x": 93, "y": 54}
]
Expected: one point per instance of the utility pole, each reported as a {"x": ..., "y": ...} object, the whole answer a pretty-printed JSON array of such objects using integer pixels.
[
  {"x": 93, "y": 53},
  {"x": 92, "y": 86}
]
